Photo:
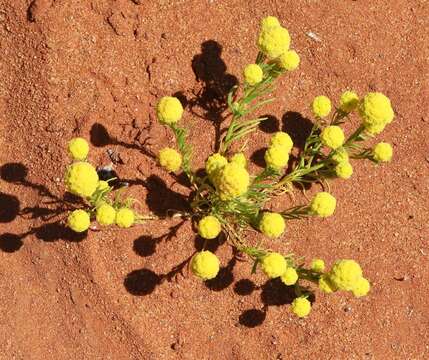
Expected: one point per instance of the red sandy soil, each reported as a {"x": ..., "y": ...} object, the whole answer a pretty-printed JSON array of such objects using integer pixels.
[{"x": 95, "y": 68}]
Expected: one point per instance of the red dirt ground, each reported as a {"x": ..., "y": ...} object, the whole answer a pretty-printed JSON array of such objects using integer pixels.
[{"x": 96, "y": 68}]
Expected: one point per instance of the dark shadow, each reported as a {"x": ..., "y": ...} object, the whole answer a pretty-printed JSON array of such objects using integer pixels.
[
  {"x": 275, "y": 293},
  {"x": 211, "y": 245},
  {"x": 13, "y": 172},
  {"x": 9, "y": 207},
  {"x": 145, "y": 246},
  {"x": 141, "y": 282},
  {"x": 244, "y": 287},
  {"x": 224, "y": 278},
  {"x": 298, "y": 127},
  {"x": 10, "y": 242},
  {"x": 258, "y": 157},
  {"x": 252, "y": 318},
  {"x": 57, "y": 231},
  {"x": 271, "y": 125}
]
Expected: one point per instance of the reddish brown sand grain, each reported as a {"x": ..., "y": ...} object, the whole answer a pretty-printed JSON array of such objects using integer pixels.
[{"x": 87, "y": 67}]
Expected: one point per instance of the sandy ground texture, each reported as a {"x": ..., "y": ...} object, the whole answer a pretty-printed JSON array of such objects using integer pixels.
[{"x": 95, "y": 68}]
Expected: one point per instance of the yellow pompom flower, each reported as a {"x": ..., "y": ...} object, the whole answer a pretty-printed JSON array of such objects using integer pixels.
[
  {"x": 332, "y": 136},
  {"x": 105, "y": 214},
  {"x": 205, "y": 265},
  {"x": 349, "y": 100},
  {"x": 209, "y": 227},
  {"x": 124, "y": 218},
  {"x": 276, "y": 157},
  {"x": 340, "y": 155},
  {"x": 81, "y": 179},
  {"x": 344, "y": 170},
  {"x": 79, "y": 221},
  {"x": 273, "y": 265},
  {"x": 169, "y": 110},
  {"x": 382, "y": 152},
  {"x": 374, "y": 129},
  {"x": 345, "y": 274},
  {"x": 253, "y": 74},
  {"x": 301, "y": 306},
  {"x": 323, "y": 204},
  {"x": 214, "y": 163},
  {"x": 318, "y": 265},
  {"x": 239, "y": 159},
  {"x": 326, "y": 285},
  {"x": 269, "y": 21},
  {"x": 272, "y": 224},
  {"x": 170, "y": 159},
  {"x": 233, "y": 180},
  {"x": 361, "y": 288},
  {"x": 78, "y": 148},
  {"x": 102, "y": 185},
  {"x": 289, "y": 60},
  {"x": 273, "y": 41},
  {"x": 321, "y": 106},
  {"x": 376, "y": 111},
  {"x": 282, "y": 139},
  {"x": 290, "y": 277}
]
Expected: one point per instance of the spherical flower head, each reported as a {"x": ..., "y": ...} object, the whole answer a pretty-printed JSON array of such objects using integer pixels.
[
  {"x": 345, "y": 274},
  {"x": 321, "y": 106},
  {"x": 301, "y": 306},
  {"x": 253, "y": 74},
  {"x": 81, "y": 179},
  {"x": 361, "y": 288},
  {"x": 102, "y": 185},
  {"x": 290, "y": 277},
  {"x": 269, "y": 21},
  {"x": 79, "y": 221},
  {"x": 272, "y": 224},
  {"x": 340, "y": 155},
  {"x": 214, "y": 163},
  {"x": 326, "y": 285},
  {"x": 239, "y": 159},
  {"x": 233, "y": 181},
  {"x": 318, "y": 265},
  {"x": 344, "y": 170},
  {"x": 332, "y": 136},
  {"x": 323, "y": 204},
  {"x": 376, "y": 109},
  {"x": 349, "y": 100},
  {"x": 78, "y": 148},
  {"x": 382, "y": 152},
  {"x": 169, "y": 110},
  {"x": 170, "y": 159},
  {"x": 282, "y": 139},
  {"x": 205, "y": 265},
  {"x": 105, "y": 214},
  {"x": 374, "y": 129},
  {"x": 273, "y": 41},
  {"x": 124, "y": 218},
  {"x": 274, "y": 265},
  {"x": 276, "y": 157},
  {"x": 289, "y": 60},
  {"x": 209, "y": 227}
]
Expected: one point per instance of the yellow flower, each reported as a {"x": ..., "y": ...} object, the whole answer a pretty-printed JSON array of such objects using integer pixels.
[
  {"x": 332, "y": 136},
  {"x": 282, "y": 139},
  {"x": 209, "y": 227},
  {"x": 382, "y": 152},
  {"x": 79, "y": 221},
  {"x": 318, "y": 265},
  {"x": 323, "y": 204},
  {"x": 269, "y": 21},
  {"x": 124, "y": 217},
  {"x": 170, "y": 159},
  {"x": 214, "y": 163},
  {"x": 349, "y": 100},
  {"x": 233, "y": 181},
  {"x": 290, "y": 277},
  {"x": 81, "y": 179},
  {"x": 102, "y": 185},
  {"x": 273, "y": 265},
  {"x": 344, "y": 170},
  {"x": 276, "y": 157},
  {"x": 321, "y": 106},
  {"x": 273, "y": 41},
  {"x": 272, "y": 224},
  {"x": 239, "y": 159},
  {"x": 205, "y": 265},
  {"x": 301, "y": 307},
  {"x": 374, "y": 129},
  {"x": 289, "y": 60},
  {"x": 345, "y": 274},
  {"x": 253, "y": 74},
  {"x": 340, "y": 155},
  {"x": 169, "y": 110},
  {"x": 361, "y": 288},
  {"x": 326, "y": 285},
  {"x": 105, "y": 214},
  {"x": 78, "y": 148},
  {"x": 376, "y": 110}
]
